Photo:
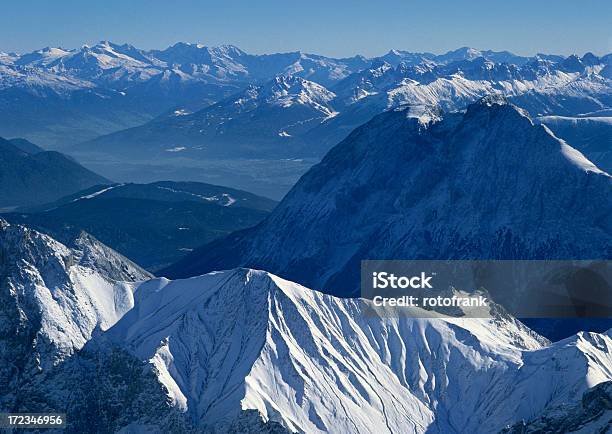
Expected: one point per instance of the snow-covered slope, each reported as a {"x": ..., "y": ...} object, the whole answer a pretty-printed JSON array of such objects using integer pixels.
[
  {"x": 67, "y": 291},
  {"x": 246, "y": 351},
  {"x": 484, "y": 184},
  {"x": 243, "y": 340},
  {"x": 52, "y": 297},
  {"x": 592, "y": 135},
  {"x": 263, "y": 121}
]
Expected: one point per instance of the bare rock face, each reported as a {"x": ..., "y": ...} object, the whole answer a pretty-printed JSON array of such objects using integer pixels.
[{"x": 593, "y": 414}]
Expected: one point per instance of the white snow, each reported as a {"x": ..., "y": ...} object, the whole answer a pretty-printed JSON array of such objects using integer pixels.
[
  {"x": 176, "y": 149},
  {"x": 579, "y": 159},
  {"x": 70, "y": 289},
  {"x": 245, "y": 339},
  {"x": 99, "y": 192},
  {"x": 224, "y": 199},
  {"x": 316, "y": 363}
]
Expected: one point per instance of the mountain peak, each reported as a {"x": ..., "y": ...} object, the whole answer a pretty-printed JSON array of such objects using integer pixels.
[
  {"x": 264, "y": 343},
  {"x": 64, "y": 292},
  {"x": 494, "y": 99},
  {"x": 497, "y": 103},
  {"x": 489, "y": 184},
  {"x": 286, "y": 90}
]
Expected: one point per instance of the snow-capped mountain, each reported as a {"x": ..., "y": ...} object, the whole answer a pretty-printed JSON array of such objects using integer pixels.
[
  {"x": 246, "y": 351},
  {"x": 53, "y": 297},
  {"x": 231, "y": 63},
  {"x": 570, "y": 86},
  {"x": 484, "y": 184},
  {"x": 309, "y": 361},
  {"x": 94, "y": 282},
  {"x": 247, "y": 340},
  {"x": 108, "y": 87},
  {"x": 261, "y": 121},
  {"x": 102, "y": 62},
  {"x": 454, "y": 84}
]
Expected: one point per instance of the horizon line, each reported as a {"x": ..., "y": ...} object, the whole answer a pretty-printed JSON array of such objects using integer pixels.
[{"x": 256, "y": 53}]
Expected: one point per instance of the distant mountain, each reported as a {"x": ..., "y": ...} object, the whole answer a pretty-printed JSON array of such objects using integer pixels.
[
  {"x": 79, "y": 94},
  {"x": 26, "y": 146},
  {"x": 290, "y": 117},
  {"x": 262, "y": 121},
  {"x": 82, "y": 93},
  {"x": 152, "y": 224},
  {"x": 484, "y": 184},
  {"x": 246, "y": 351},
  {"x": 33, "y": 178}
]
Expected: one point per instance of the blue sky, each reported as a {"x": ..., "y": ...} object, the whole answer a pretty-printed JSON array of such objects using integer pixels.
[{"x": 331, "y": 27}]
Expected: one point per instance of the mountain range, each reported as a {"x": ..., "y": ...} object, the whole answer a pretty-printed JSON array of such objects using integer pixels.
[
  {"x": 108, "y": 87},
  {"x": 86, "y": 332},
  {"x": 258, "y": 122},
  {"x": 291, "y": 116},
  {"x": 487, "y": 183},
  {"x": 262, "y": 121},
  {"x": 466, "y": 155}
]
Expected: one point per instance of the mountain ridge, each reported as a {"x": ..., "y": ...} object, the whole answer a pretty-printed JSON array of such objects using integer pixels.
[
  {"x": 117, "y": 86},
  {"x": 246, "y": 348},
  {"x": 153, "y": 224},
  {"x": 543, "y": 87},
  {"x": 422, "y": 201}
]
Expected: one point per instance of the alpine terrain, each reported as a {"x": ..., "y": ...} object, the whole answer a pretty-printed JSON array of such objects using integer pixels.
[
  {"x": 246, "y": 351},
  {"x": 290, "y": 116},
  {"x": 486, "y": 183}
]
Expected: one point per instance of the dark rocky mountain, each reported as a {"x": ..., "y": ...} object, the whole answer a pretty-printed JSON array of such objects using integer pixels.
[
  {"x": 28, "y": 178},
  {"x": 484, "y": 184},
  {"x": 26, "y": 146},
  {"x": 592, "y": 414},
  {"x": 152, "y": 224}
]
